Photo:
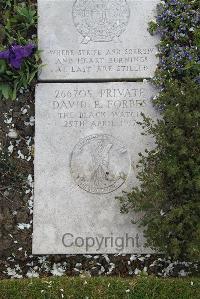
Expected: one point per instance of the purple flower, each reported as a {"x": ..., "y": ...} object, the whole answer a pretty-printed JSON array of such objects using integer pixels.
[
  {"x": 16, "y": 54},
  {"x": 197, "y": 79}
]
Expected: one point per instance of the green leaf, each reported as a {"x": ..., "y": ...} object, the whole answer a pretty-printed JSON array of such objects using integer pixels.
[
  {"x": 2, "y": 67},
  {"x": 6, "y": 90}
]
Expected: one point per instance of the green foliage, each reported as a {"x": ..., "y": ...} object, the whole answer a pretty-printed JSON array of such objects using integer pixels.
[
  {"x": 153, "y": 26},
  {"x": 19, "y": 22},
  {"x": 169, "y": 175},
  {"x": 100, "y": 288}
]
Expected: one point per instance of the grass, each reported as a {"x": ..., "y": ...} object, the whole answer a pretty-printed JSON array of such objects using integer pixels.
[{"x": 101, "y": 287}]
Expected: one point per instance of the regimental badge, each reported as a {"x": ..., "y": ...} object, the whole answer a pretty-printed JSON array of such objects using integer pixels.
[{"x": 100, "y": 20}]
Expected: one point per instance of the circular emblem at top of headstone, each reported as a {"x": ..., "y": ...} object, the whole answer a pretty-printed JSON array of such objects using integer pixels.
[
  {"x": 99, "y": 163},
  {"x": 100, "y": 20}
]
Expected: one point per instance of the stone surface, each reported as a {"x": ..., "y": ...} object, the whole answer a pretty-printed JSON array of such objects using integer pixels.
[
  {"x": 86, "y": 150},
  {"x": 101, "y": 39}
]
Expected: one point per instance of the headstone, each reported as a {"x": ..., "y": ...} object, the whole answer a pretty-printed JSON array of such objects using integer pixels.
[
  {"x": 87, "y": 144},
  {"x": 96, "y": 40}
]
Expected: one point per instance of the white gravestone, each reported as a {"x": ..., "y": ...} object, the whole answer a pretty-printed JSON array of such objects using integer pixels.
[
  {"x": 87, "y": 144},
  {"x": 96, "y": 39}
]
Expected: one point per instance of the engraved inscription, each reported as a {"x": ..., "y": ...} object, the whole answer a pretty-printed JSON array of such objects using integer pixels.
[
  {"x": 100, "y": 20},
  {"x": 105, "y": 108},
  {"x": 87, "y": 61},
  {"x": 99, "y": 164}
]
